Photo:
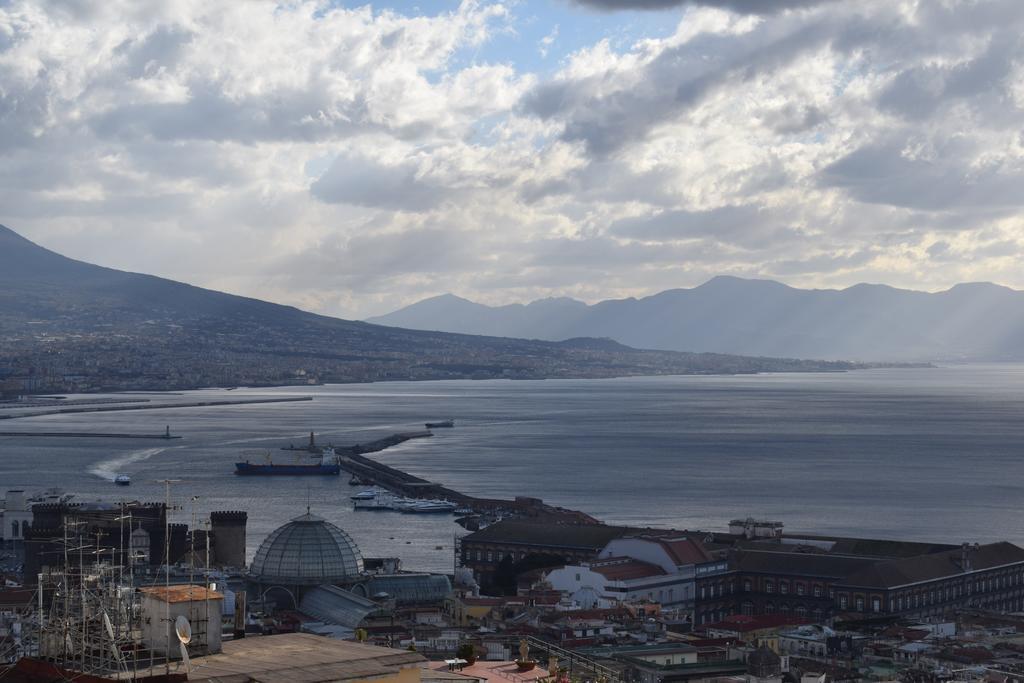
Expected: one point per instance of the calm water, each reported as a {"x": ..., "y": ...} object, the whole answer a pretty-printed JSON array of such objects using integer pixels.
[{"x": 930, "y": 454}]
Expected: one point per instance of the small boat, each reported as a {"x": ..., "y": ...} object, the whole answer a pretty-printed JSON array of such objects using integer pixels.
[
  {"x": 369, "y": 494},
  {"x": 428, "y": 506},
  {"x": 122, "y": 480},
  {"x": 356, "y": 480},
  {"x": 440, "y": 425}
]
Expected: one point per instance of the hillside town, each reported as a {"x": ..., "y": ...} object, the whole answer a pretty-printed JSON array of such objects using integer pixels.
[{"x": 93, "y": 589}]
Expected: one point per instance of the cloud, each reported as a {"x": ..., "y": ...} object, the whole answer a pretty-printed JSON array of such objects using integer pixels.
[
  {"x": 743, "y": 226},
  {"x": 366, "y": 182},
  {"x": 944, "y": 177},
  {"x": 741, "y": 6},
  {"x": 351, "y": 159}
]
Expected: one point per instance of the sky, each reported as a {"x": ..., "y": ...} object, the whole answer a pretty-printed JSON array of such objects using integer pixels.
[{"x": 353, "y": 158}]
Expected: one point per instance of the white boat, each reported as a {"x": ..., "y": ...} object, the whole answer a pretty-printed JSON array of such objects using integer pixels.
[
  {"x": 425, "y": 506},
  {"x": 122, "y": 480},
  {"x": 368, "y": 494}
]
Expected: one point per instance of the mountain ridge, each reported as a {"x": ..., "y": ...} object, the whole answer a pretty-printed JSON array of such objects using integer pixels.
[
  {"x": 867, "y": 321},
  {"x": 68, "y": 325}
]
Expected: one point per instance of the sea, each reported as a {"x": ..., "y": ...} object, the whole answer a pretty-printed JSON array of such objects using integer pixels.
[{"x": 931, "y": 454}]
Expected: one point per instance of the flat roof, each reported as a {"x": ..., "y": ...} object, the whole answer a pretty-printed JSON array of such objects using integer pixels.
[
  {"x": 296, "y": 657},
  {"x": 183, "y": 593}
]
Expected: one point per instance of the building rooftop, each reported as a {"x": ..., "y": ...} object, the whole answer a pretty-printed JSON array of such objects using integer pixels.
[
  {"x": 589, "y": 536},
  {"x": 625, "y": 569},
  {"x": 294, "y": 657},
  {"x": 580, "y": 536},
  {"x": 498, "y": 672},
  {"x": 800, "y": 564},
  {"x": 336, "y": 606},
  {"x": 307, "y": 551},
  {"x": 893, "y": 573},
  {"x": 742, "y": 623},
  {"x": 685, "y": 550},
  {"x": 174, "y": 594},
  {"x": 866, "y": 547}
]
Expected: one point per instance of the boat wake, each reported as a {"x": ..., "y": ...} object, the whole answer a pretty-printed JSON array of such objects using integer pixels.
[{"x": 108, "y": 469}]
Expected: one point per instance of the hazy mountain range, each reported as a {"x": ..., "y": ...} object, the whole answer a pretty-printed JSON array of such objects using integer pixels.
[
  {"x": 66, "y": 325},
  {"x": 978, "y": 321}
]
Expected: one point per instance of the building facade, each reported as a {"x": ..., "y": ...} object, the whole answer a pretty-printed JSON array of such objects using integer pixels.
[{"x": 989, "y": 577}]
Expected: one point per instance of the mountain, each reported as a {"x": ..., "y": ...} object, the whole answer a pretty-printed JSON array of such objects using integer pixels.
[
  {"x": 66, "y": 325},
  {"x": 977, "y": 321}
]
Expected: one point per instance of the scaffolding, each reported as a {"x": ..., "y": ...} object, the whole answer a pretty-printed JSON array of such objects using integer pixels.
[{"x": 93, "y": 624}]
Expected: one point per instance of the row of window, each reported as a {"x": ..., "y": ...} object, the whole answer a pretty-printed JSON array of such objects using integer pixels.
[
  {"x": 936, "y": 594},
  {"x": 799, "y": 588},
  {"x": 490, "y": 555}
]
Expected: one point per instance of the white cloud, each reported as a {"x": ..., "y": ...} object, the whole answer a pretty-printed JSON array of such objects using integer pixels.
[{"x": 351, "y": 159}]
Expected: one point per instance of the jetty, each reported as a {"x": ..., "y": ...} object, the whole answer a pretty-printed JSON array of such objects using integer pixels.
[
  {"x": 156, "y": 406},
  {"x": 353, "y": 461},
  {"x": 93, "y": 435}
]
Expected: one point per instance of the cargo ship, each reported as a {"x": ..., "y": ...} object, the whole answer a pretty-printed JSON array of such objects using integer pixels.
[
  {"x": 324, "y": 467},
  {"x": 272, "y": 468},
  {"x": 440, "y": 425}
]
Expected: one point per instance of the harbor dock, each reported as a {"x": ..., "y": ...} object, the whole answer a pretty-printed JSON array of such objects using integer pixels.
[
  {"x": 407, "y": 485},
  {"x": 155, "y": 406},
  {"x": 93, "y": 435}
]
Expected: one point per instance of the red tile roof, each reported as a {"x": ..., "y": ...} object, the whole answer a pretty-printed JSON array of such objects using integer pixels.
[
  {"x": 742, "y": 623},
  {"x": 685, "y": 550},
  {"x": 625, "y": 569},
  {"x": 186, "y": 593}
]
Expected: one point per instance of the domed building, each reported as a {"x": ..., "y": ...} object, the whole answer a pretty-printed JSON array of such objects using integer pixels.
[{"x": 306, "y": 552}]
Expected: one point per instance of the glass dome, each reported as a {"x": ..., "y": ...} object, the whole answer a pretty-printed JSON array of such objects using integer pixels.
[{"x": 307, "y": 551}]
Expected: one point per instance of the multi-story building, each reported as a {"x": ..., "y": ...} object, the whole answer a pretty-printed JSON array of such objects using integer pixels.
[
  {"x": 513, "y": 541},
  {"x": 602, "y": 583},
  {"x": 987, "y": 577}
]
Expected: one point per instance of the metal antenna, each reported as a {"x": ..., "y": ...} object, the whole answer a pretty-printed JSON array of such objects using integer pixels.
[{"x": 167, "y": 571}]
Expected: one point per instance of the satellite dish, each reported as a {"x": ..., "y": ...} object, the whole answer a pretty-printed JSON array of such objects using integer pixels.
[
  {"x": 107, "y": 625},
  {"x": 183, "y": 629},
  {"x": 113, "y": 641}
]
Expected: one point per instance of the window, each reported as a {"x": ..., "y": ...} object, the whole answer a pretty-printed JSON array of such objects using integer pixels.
[
  {"x": 783, "y": 587},
  {"x": 800, "y": 589},
  {"x": 490, "y": 556},
  {"x": 876, "y": 605},
  {"x": 577, "y": 577},
  {"x": 842, "y": 602},
  {"x": 817, "y": 590},
  {"x": 746, "y": 585},
  {"x": 769, "y": 586}
]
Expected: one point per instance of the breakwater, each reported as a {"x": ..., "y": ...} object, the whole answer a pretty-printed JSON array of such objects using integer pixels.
[
  {"x": 157, "y": 406},
  {"x": 93, "y": 435},
  {"x": 402, "y": 483}
]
